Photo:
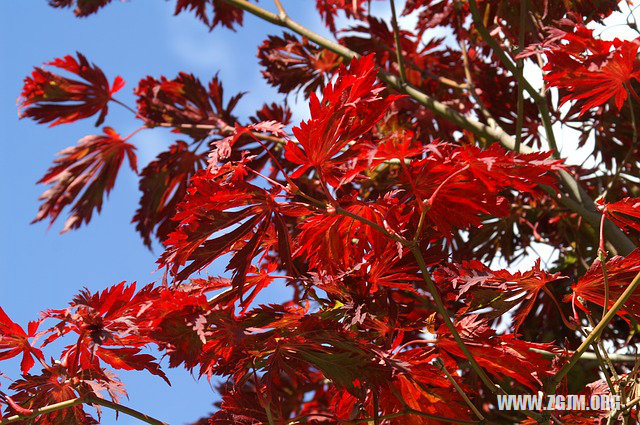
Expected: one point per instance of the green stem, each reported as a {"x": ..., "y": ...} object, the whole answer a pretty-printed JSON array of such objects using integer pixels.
[
  {"x": 588, "y": 356},
  {"x": 396, "y": 36},
  {"x": 597, "y": 330},
  {"x": 520, "y": 76},
  {"x": 126, "y": 410},
  {"x": 440, "y": 365},
  {"x": 431, "y": 286},
  {"x": 84, "y": 400}
]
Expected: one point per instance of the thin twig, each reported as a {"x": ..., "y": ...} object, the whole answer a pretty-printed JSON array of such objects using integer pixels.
[
  {"x": 538, "y": 97},
  {"x": 396, "y": 36},
  {"x": 440, "y": 365},
  {"x": 601, "y": 363},
  {"x": 126, "y": 410},
  {"x": 281, "y": 10},
  {"x": 597, "y": 330},
  {"x": 602, "y": 354},
  {"x": 627, "y": 157},
  {"x": 520, "y": 77},
  {"x": 84, "y": 400}
]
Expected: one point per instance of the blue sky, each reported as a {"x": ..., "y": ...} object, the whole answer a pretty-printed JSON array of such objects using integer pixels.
[{"x": 39, "y": 268}]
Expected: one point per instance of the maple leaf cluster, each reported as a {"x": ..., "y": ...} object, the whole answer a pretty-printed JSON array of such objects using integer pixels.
[{"x": 379, "y": 221}]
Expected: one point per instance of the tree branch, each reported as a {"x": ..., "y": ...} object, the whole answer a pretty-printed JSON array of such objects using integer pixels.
[
  {"x": 396, "y": 36},
  {"x": 440, "y": 365},
  {"x": 589, "y": 356},
  {"x": 84, "y": 400}
]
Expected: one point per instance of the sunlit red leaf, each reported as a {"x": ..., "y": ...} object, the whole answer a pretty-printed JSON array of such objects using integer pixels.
[
  {"x": 458, "y": 184},
  {"x": 322, "y": 237},
  {"x": 620, "y": 272},
  {"x": 499, "y": 290},
  {"x": 15, "y": 341},
  {"x": 499, "y": 355},
  {"x": 129, "y": 358},
  {"x": 592, "y": 71},
  {"x": 90, "y": 168},
  {"x": 349, "y": 108},
  {"x": 222, "y": 214},
  {"x": 625, "y": 213},
  {"x": 48, "y": 97}
]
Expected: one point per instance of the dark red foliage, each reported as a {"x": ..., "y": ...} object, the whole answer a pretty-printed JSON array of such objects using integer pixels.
[
  {"x": 185, "y": 104},
  {"x": 163, "y": 184},
  {"x": 48, "y": 97},
  {"x": 291, "y": 64}
]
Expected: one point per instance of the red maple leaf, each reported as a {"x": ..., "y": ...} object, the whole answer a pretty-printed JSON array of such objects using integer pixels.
[
  {"x": 625, "y": 213},
  {"x": 322, "y": 238},
  {"x": 499, "y": 355},
  {"x": 480, "y": 288},
  {"x": 620, "y": 272},
  {"x": 48, "y": 97},
  {"x": 592, "y": 71},
  {"x": 186, "y": 104},
  {"x": 54, "y": 385},
  {"x": 458, "y": 184},
  {"x": 90, "y": 167},
  {"x": 329, "y": 9},
  {"x": 349, "y": 108},
  {"x": 14, "y": 341},
  {"x": 241, "y": 217},
  {"x": 291, "y": 64}
]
